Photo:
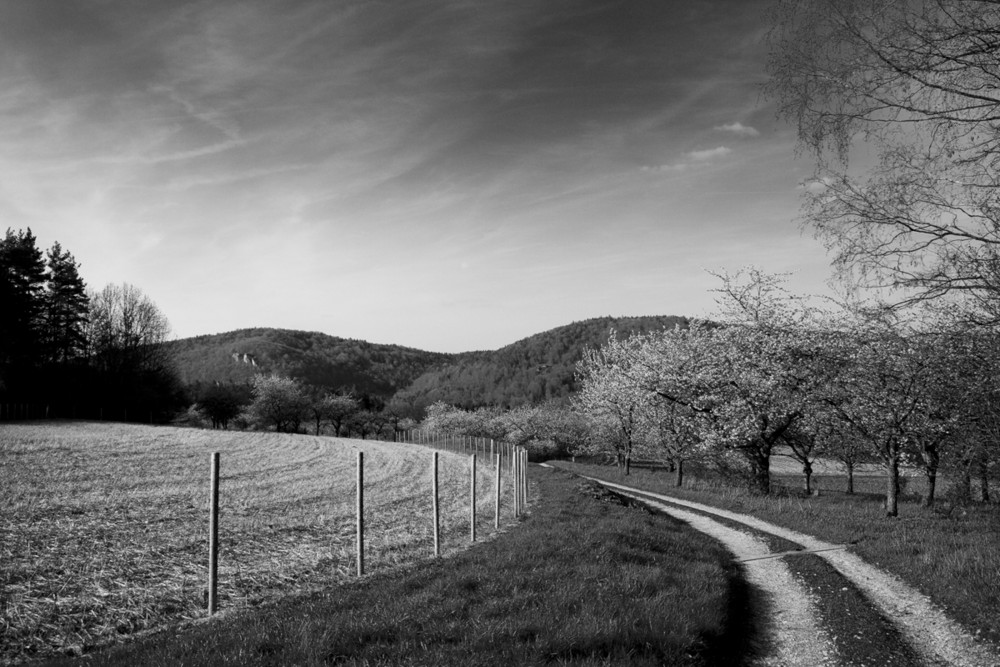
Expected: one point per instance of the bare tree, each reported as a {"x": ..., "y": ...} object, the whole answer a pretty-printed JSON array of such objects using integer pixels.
[
  {"x": 917, "y": 82},
  {"x": 126, "y": 330}
]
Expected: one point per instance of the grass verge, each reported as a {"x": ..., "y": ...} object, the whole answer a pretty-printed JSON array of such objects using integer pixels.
[
  {"x": 953, "y": 557},
  {"x": 583, "y": 580}
]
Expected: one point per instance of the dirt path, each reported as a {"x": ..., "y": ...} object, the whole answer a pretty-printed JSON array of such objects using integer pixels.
[
  {"x": 796, "y": 637},
  {"x": 935, "y": 637}
]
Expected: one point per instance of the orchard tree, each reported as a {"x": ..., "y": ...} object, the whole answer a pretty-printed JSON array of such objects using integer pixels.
[
  {"x": 916, "y": 82},
  {"x": 222, "y": 403},
  {"x": 672, "y": 430},
  {"x": 278, "y": 402},
  {"x": 609, "y": 395},
  {"x": 563, "y": 429},
  {"x": 884, "y": 393},
  {"x": 836, "y": 439},
  {"x": 366, "y": 422},
  {"x": 746, "y": 383},
  {"x": 805, "y": 447},
  {"x": 339, "y": 409},
  {"x": 448, "y": 419}
]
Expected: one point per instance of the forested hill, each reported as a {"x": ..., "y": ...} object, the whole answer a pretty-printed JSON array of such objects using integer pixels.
[
  {"x": 315, "y": 358},
  {"x": 532, "y": 370}
]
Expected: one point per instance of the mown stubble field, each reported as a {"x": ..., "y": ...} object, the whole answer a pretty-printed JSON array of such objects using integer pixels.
[{"x": 104, "y": 528}]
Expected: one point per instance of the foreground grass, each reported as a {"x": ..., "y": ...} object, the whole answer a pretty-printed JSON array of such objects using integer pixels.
[
  {"x": 104, "y": 527},
  {"x": 953, "y": 557},
  {"x": 583, "y": 580}
]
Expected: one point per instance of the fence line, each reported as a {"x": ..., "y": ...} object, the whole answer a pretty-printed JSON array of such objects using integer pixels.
[{"x": 518, "y": 489}]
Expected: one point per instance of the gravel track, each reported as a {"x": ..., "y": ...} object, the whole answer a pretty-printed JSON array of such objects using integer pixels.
[
  {"x": 935, "y": 637},
  {"x": 795, "y": 636}
]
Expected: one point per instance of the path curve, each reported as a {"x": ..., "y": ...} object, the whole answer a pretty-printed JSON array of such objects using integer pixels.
[
  {"x": 796, "y": 637},
  {"x": 938, "y": 639}
]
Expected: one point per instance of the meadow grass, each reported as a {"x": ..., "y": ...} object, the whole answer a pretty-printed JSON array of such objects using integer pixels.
[
  {"x": 582, "y": 580},
  {"x": 953, "y": 556},
  {"x": 103, "y": 532}
]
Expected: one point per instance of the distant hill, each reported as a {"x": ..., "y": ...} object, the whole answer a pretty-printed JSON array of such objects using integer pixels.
[
  {"x": 532, "y": 370},
  {"x": 315, "y": 358}
]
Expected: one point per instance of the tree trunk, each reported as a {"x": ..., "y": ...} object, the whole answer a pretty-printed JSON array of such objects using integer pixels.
[
  {"x": 850, "y": 478},
  {"x": 892, "y": 488},
  {"x": 963, "y": 488},
  {"x": 807, "y": 470},
  {"x": 679, "y": 480},
  {"x": 931, "y": 485},
  {"x": 628, "y": 464},
  {"x": 931, "y": 460},
  {"x": 760, "y": 464}
]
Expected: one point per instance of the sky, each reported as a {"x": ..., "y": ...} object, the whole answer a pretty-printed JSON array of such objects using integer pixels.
[{"x": 449, "y": 175}]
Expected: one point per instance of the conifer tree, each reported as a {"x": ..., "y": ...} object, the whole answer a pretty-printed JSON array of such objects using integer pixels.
[
  {"x": 66, "y": 306},
  {"x": 22, "y": 282}
]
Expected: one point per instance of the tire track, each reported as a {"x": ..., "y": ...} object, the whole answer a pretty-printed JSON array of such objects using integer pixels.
[
  {"x": 794, "y": 636},
  {"x": 935, "y": 637}
]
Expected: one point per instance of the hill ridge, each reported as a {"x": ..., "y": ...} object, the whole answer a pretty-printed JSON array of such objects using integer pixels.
[{"x": 530, "y": 370}]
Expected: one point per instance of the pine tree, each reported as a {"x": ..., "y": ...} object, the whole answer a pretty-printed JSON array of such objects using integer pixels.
[
  {"x": 66, "y": 307},
  {"x": 22, "y": 284}
]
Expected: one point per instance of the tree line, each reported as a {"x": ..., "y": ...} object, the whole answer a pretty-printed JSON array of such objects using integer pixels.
[
  {"x": 775, "y": 374},
  {"x": 75, "y": 351},
  {"x": 270, "y": 401},
  {"x": 853, "y": 384}
]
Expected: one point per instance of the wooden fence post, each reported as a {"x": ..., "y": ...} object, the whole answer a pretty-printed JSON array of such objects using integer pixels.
[
  {"x": 496, "y": 491},
  {"x": 360, "y": 540},
  {"x": 472, "y": 504},
  {"x": 524, "y": 478},
  {"x": 213, "y": 536},
  {"x": 515, "y": 476},
  {"x": 434, "y": 494}
]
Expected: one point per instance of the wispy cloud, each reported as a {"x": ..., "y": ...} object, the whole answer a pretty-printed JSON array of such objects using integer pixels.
[
  {"x": 387, "y": 147},
  {"x": 710, "y": 153},
  {"x": 665, "y": 168},
  {"x": 739, "y": 129}
]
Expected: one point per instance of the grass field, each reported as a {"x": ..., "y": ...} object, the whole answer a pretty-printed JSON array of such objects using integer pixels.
[
  {"x": 952, "y": 556},
  {"x": 103, "y": 532}
]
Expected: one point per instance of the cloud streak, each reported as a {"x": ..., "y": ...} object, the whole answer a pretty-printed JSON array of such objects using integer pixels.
[
  {"x": 710, "y": 153},
  {"x": 391, "y": 144},
  {"x": 738, "y": 129}
]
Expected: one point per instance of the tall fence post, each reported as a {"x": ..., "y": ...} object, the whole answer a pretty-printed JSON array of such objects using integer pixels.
[
  {"x": 524, "y": 478},
  {"x": 515, "y": 476},
  {"x": 472, "y": 503},
  {"x": 213, "y": 536},
  {"x": 496, "y": 492},
  {"x": 360, "y": 539},
  {"x": 434, "y": 495}
]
